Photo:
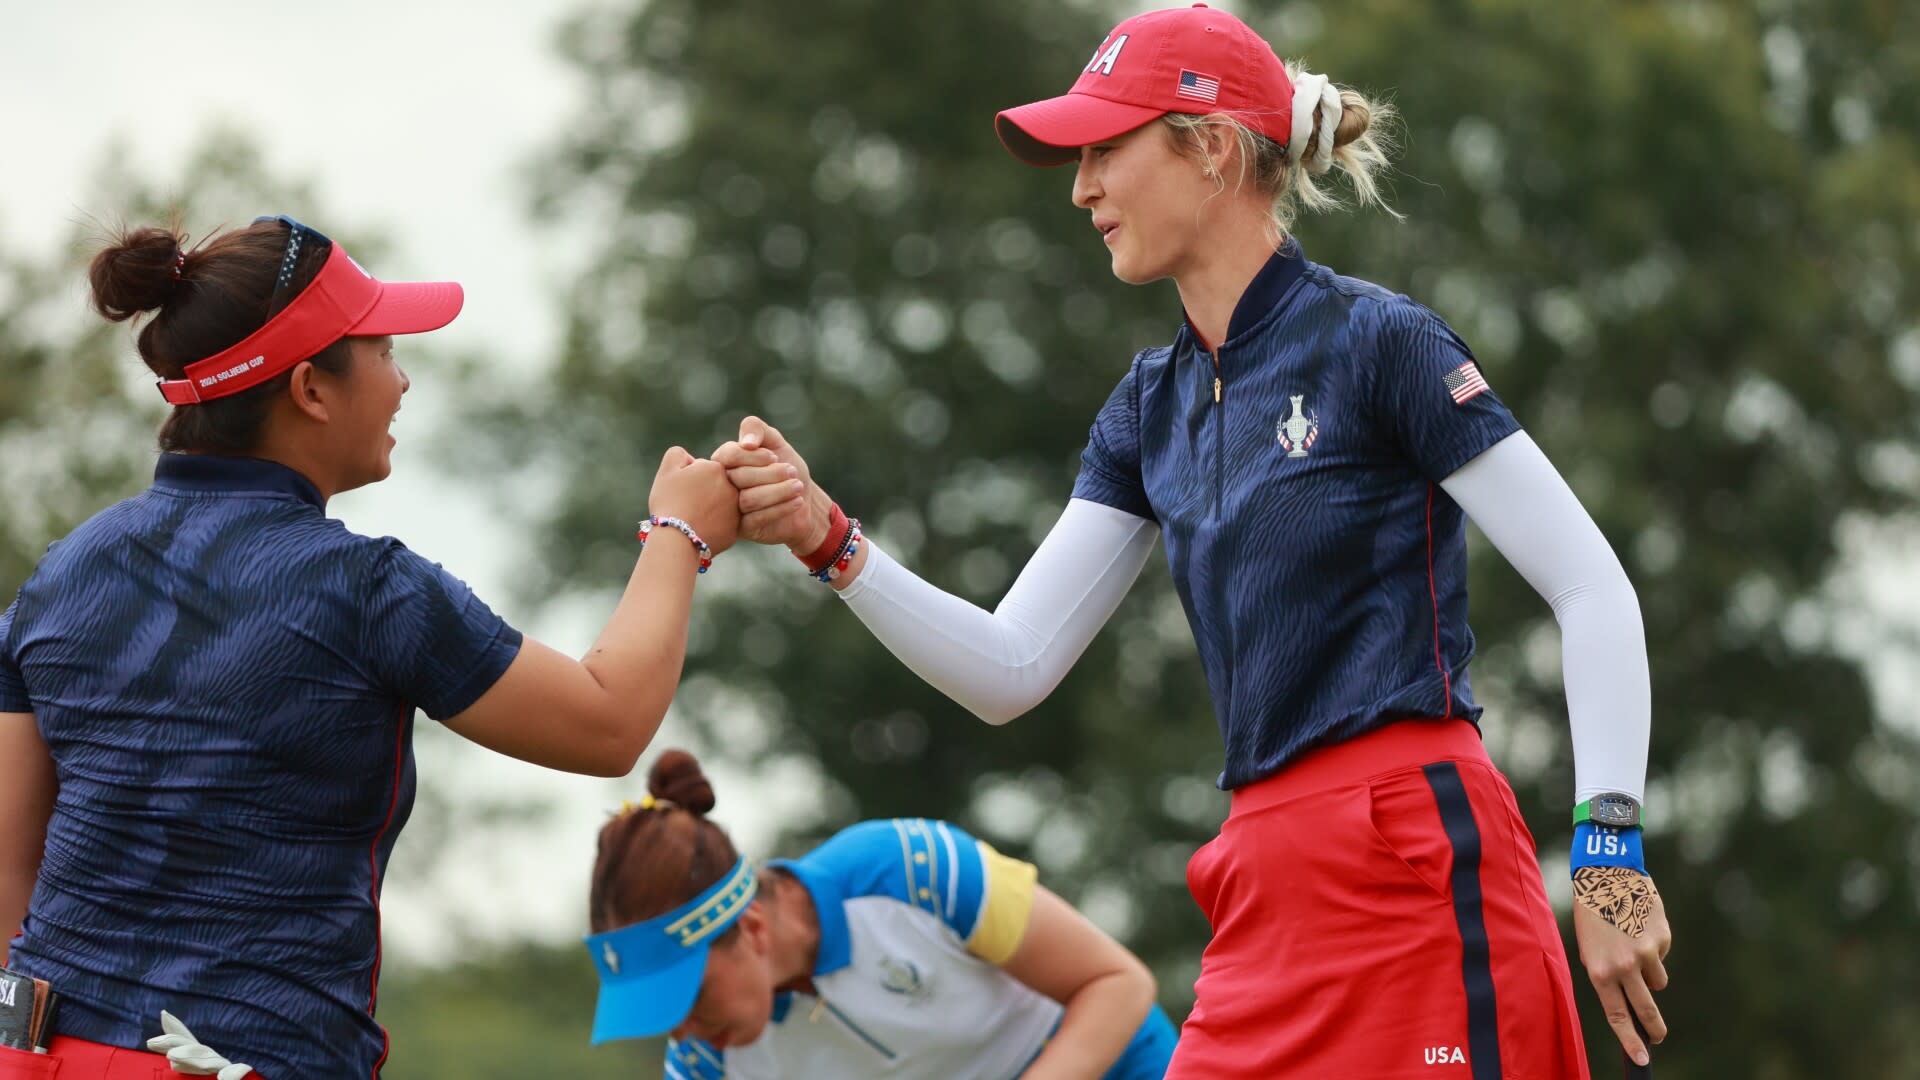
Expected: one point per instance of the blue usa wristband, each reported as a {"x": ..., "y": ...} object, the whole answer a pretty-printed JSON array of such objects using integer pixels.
[{"x": 1604, "y": 845}]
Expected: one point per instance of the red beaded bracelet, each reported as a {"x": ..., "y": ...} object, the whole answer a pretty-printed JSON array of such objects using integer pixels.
[{"x": 845, "y": 559}]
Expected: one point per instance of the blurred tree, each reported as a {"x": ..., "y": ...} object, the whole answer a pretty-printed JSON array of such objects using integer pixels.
[{"x": 1682, "y": 236}]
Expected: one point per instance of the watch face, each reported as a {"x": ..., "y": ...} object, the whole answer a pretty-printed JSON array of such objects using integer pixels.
[{"x": 1616, "y": 810}]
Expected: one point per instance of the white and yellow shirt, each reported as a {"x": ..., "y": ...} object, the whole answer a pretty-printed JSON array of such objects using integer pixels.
[{"x": 916, "y": 918}]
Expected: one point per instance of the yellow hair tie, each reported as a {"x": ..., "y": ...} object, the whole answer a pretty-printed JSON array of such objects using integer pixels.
[{"x": 647, "y": 802}]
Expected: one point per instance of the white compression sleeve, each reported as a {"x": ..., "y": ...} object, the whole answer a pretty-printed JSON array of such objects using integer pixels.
[
  {"x": 1534, "y": 519},
  {"x": 1000, "y": 664}
]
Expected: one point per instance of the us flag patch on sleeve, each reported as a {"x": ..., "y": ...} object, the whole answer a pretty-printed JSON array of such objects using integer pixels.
[{"x": 1465, "y": 383}]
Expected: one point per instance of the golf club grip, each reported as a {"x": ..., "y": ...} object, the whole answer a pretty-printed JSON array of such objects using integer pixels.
[{"x": 1639, "y": 1072}]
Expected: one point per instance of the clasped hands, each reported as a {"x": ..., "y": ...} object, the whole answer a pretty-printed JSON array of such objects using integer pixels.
[{"x": 755, "y": 487}]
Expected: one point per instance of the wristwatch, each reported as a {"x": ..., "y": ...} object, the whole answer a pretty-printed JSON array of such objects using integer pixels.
[{"x": 1611, "y": 809}]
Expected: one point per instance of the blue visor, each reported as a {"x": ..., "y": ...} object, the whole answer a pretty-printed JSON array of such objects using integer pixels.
[{"x": 650, "y": 972}]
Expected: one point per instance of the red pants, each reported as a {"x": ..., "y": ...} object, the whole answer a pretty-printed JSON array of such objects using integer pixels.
[
  {"x": 1378, "y": 914},
  {"x": 77, "y": 1059}
]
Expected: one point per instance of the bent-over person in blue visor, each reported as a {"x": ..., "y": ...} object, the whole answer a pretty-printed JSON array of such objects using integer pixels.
[{"x": 903, "y": 948}]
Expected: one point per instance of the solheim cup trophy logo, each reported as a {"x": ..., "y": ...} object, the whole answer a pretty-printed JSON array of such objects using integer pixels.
[{"x": 1297, "y": 432}]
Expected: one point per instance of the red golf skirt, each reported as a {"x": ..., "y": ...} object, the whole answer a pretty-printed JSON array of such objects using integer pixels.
[{"x": 1378, "y": 914}]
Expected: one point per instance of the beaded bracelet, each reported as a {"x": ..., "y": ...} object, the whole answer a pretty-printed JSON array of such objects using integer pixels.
[
  {"x": 831, "y": 546},
  {"x": 844, "y": 557},
  {"x": 699, "y": 545}
]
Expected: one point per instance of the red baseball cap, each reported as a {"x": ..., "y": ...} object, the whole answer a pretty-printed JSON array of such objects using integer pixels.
[
  {"x": 342, "y": 300},
  {"x": 1181, "y": 60}
]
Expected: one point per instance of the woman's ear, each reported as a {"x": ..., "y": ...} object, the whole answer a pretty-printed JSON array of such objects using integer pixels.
[
  {"x": 1218, "y": 148},
  {"x": 756, "y": 929},
  {"x": 306, "y": 392}
]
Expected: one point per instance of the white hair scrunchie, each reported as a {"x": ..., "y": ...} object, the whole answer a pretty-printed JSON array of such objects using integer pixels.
[{"x": 1313, "y": 93}]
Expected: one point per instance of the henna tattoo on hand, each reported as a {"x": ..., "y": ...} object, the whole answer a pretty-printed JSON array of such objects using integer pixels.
[{"x": 1620, "y": 895}]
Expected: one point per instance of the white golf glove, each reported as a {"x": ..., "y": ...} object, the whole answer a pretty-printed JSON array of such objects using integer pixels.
[{"x": 186, "y": 1054}]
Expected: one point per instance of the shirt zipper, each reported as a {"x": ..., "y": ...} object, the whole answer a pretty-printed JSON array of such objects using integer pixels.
[
  {"x": 1219, "y": 500},
  {"x": 1219, "y": 434},
  {"x": 847, "y": 1022}
]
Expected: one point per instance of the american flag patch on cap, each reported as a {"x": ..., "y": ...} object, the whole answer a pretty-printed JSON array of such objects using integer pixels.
[
  {"x": 1465, "y": 383},
  {"x": 1197, "y": 86}
]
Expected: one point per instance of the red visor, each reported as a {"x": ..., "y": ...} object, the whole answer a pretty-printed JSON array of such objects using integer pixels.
[{"x": 342, "y": 301}]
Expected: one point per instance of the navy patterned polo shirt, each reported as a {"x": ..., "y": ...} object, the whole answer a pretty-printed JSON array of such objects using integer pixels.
[
  {"x": 226, "y": 680},
  {"x": 1295, "y": 474}
]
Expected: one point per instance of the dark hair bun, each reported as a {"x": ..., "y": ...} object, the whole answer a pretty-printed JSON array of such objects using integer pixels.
[
  {"x": 136, "y": 272},
  {"x": 676, "y": 778}
]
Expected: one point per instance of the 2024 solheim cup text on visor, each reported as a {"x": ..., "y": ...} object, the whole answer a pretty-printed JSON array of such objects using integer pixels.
[{"x": 343, "y": 301}]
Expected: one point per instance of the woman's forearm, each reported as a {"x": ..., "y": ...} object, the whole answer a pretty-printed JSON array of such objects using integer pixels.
[
  {"x": 599, "y": 713},
  {"x": 640, "y": 652},
  {"x": 1091, "y": 1037},
  {"x": 1001, "y": 663}
]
